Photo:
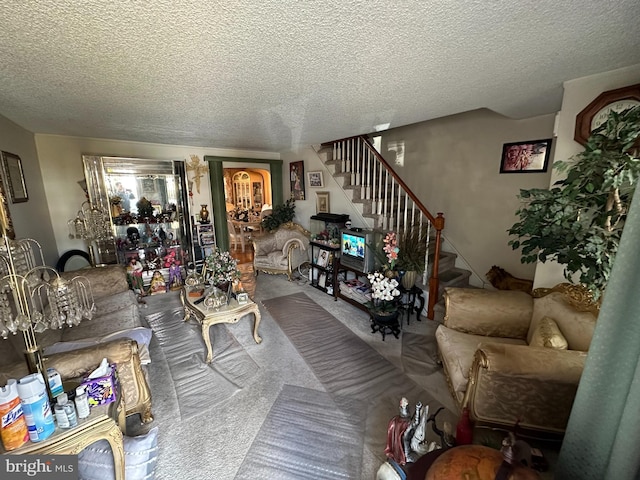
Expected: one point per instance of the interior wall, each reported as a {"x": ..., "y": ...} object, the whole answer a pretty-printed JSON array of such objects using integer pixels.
[
  {"x": 61, "y": 165},
  {"x": 578, "y": 93},
  {"x": 453, "y": 165},
  {"x": 31, "y": 218},
  {"x": 338, "y": 201}
]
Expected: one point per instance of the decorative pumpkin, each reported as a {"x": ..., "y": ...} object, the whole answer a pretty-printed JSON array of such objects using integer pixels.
[{"x": 474, "y": 462}]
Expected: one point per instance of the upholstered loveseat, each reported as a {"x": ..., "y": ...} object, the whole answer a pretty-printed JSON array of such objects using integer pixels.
[
  {"x": 281, "y": 251},
  {"x": 114, "y": 332},
  {"x": 510, "y": 357}
]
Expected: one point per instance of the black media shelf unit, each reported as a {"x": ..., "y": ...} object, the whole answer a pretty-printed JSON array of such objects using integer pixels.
[
  {"x": 341, "y": 274},
  {"x": 323, "y": 259}
]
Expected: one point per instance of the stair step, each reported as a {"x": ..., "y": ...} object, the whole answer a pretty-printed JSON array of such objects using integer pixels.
[
  {"x": 447, "y": 263},
  {"x": 455, "y": 277}
]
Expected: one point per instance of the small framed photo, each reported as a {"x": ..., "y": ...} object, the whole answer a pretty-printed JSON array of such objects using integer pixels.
[
  {"x": 242, "y": 297},
  {"x": 526, "y": 157},
  {"x": 322, "y": 281},
  {"x": 322, "y": 202},
  {"x": 14, "y": 177},
  {"x": 315, "y": 179},
  {"x": 323, "y": 258}
]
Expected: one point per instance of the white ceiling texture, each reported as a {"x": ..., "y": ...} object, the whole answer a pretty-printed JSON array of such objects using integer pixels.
[{"x": 275, "y": 75}]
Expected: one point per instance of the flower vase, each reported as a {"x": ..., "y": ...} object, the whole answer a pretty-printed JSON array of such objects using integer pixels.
[
  {"x": 384, "y": 318},
  {"x": 385, "y": 322},
  {"x": 204, "y": 214},
  {"x": 409, "y": 279}
]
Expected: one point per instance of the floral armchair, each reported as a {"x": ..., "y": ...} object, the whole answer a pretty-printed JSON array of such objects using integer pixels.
[
  {"x": 510, "y": 357},
  {"x": 281, "y": 251}
]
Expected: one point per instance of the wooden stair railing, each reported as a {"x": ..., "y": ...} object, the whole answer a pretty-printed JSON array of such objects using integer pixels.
[{"x": 392, "y": 203}]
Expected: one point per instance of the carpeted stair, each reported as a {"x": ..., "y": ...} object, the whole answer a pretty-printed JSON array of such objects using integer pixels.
[{"x": 449, "y": 274}]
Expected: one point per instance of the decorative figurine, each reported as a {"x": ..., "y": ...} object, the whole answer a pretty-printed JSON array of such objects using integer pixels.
[
  {"x": 158, "y": 284},
  {"x": 134, "y": 275},
  {"x": 175, "y": 275},
  {"x": 395, "y": 434}
]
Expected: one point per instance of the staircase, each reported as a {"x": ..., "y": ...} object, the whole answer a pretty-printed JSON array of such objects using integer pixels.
[{"x": 387, "y": 203}]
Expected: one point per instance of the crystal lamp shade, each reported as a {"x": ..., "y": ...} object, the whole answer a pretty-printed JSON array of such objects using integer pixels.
[{"x": 33, "y": 297}]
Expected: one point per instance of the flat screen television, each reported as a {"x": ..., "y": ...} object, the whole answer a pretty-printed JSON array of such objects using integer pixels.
[{"x": 355, "y": 250}]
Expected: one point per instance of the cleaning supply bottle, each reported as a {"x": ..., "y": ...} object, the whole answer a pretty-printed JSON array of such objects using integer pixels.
[
  {"x": 61, "y": 416},
  {"x": 82, "y": 402},
  {"x": 14, "y": 431},
  {"x": 65, "y": 412},
  {"x": 35, "y": 404}
]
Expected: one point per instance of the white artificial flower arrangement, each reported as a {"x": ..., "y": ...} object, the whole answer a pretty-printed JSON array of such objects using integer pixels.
[{"x": 384, "y": 292}]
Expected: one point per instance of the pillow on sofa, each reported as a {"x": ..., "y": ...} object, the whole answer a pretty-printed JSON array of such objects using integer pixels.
[
  {"x": 548, "y": 335},
  {"x": 141, "y": 335},
  {"x": 140, "y": 457}
]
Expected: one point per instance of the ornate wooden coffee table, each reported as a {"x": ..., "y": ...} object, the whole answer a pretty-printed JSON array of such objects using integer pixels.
[{"x": 228, "y": 314}]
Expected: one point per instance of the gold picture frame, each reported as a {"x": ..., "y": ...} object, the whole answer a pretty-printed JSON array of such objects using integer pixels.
[
  {"x": 5, "y": 215},
  {"x": 322, "y": 202},
  {"x": 14, "y": 178}
]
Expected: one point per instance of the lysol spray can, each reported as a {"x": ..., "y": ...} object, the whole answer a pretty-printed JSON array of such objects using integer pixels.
[
  {"x": 37, "y": 410},
  {"x": 14, "y": 427}
]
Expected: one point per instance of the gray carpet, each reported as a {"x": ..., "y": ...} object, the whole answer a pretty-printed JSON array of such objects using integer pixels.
[
  {"x": 199, "y": 387},
  {"x": 347, "y": 366},
  {"x": 219, "y": 440},
  {"x": 420, "y": 353},
  {"x": 306, "y": 435}
]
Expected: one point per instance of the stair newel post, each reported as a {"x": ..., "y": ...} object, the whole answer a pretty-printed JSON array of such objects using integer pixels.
[
  {"x": 434, "y": 281},
  {"x": 342, "y": 157}
]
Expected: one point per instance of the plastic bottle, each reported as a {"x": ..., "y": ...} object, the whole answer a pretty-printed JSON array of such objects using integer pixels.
[
  {"x": 464, "y": 429},
  {"x": 61, "y": 416},
  {"x": 14, "y": 431},
  {"x": 65, "y": 412},
  {"x": 35, "y": 404},
  {"x": 82, "y": 402}
]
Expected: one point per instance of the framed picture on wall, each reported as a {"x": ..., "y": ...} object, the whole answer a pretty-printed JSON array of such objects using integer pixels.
[
  {"x": 5, "y": 215},
  {"x": 14, "y": 177},
  {"x": 525, "y": 157},
  {"x": 296, "y": 175},
  {"x": 315, "y": 179},
  {"x": 322, "y": 202}
]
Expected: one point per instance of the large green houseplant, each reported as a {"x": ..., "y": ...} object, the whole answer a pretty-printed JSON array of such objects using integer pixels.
[
  {"x": 280, "y": 214},
  {"x": 579, "y": 221}
]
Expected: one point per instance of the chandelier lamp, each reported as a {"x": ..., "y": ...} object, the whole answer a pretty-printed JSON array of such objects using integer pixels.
[
  {"x": 34, "y": 297},
  {"x": 92, "y": 224}
]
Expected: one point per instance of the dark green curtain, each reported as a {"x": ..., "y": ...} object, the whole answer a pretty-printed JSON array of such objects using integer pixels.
[{"x": 603, "y": 434}]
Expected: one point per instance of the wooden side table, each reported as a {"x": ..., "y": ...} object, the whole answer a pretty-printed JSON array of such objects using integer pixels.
[
  {"x": 100, "y": 425},
  {"x": 230, "y": 313}
]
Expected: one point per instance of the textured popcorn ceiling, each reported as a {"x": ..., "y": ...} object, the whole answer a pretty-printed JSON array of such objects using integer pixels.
[{"x": 273, "y": 75}]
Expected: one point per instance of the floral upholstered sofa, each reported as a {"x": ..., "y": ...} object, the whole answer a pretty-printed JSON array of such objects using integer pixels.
[
  {"x": 115, "y": 332},
  {"x": 510, "y": 357}
]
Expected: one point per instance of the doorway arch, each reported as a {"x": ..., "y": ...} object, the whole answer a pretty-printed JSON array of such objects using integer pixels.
[{"x": 216, "y": 177}]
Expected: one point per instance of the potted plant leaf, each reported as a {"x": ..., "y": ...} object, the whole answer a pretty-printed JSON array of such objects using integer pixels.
[
  {"x": 412, "y": 244},
  {"x": 281, "y": 214},
  {"x": 578, "y": 222}
]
